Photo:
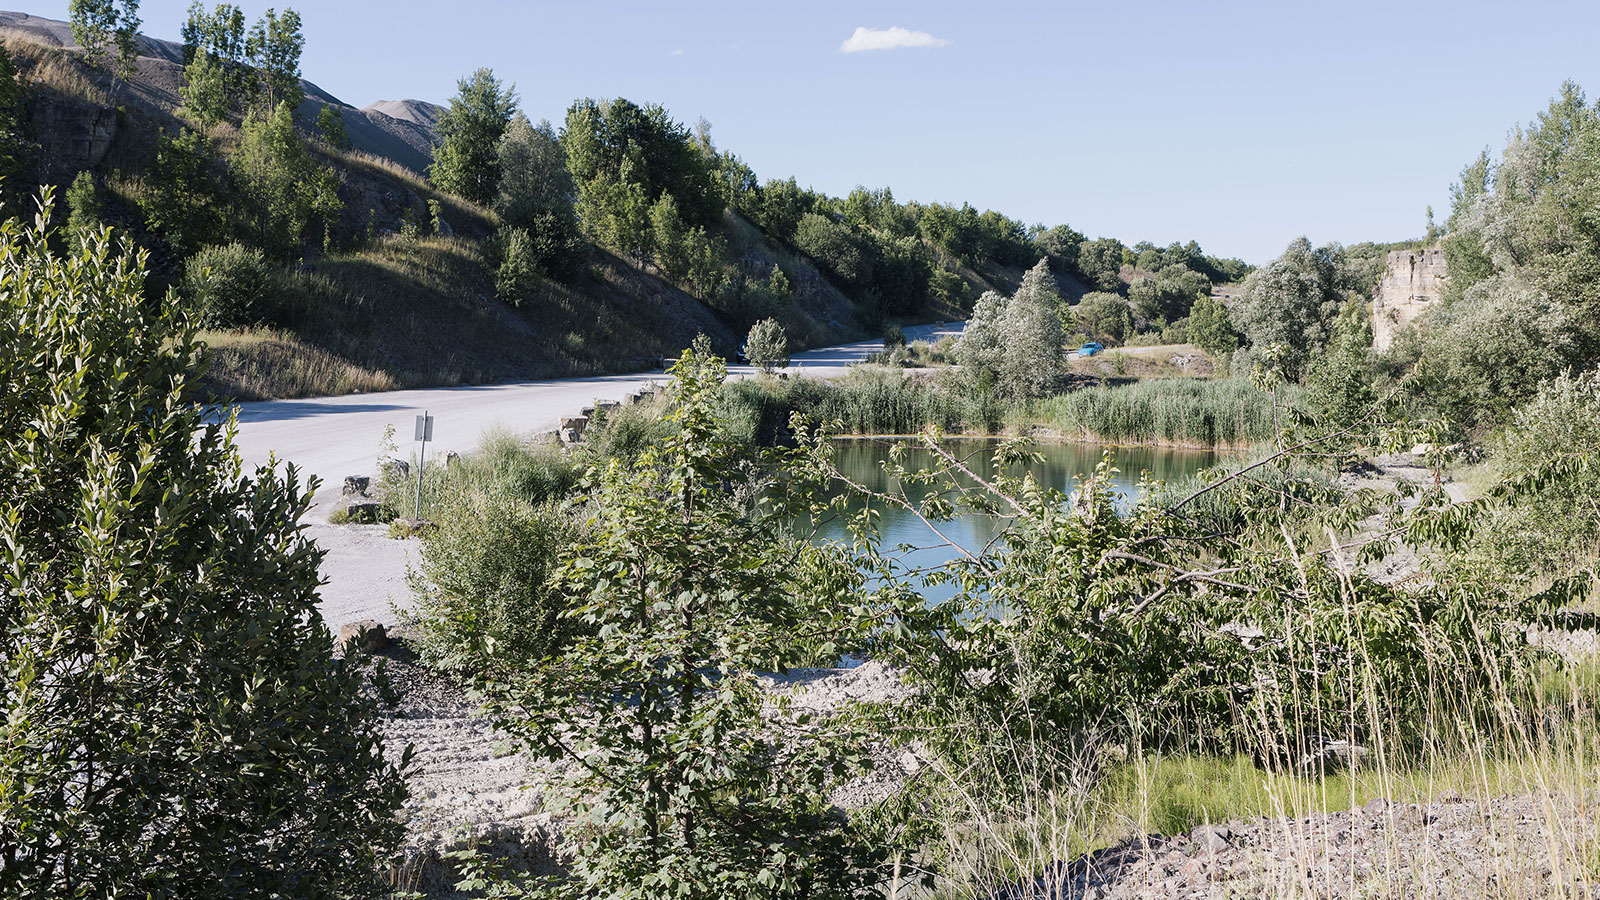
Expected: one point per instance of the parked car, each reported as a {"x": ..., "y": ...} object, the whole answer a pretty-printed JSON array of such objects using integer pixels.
[{"x": 1091, "y": 348}]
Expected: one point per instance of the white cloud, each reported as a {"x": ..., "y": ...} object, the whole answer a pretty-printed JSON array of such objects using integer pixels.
[
  {"x": 889, "y": 39},
  {"x": 677, "y": 53}
]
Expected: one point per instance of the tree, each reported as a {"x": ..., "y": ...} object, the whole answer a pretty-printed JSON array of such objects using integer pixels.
[
  {"x": 184, "y": 196},
  {"x": 767, "y": 348},
  {"x": 467, "y": 162},
  {"x": 83, "y": 207},
  {"x": 174, "y": 722},
  {"x": 621, "y": 143},
  {"x": 204, "y": 90},
  {"x": 518, "y": 270},
  {"x": 1210, "y": 328},
  {"x": 1167, "y": 295},
  {"x": 274, "y": 48},
  {"x": 1014, "y": 343},
  {"x": 12, "y": 146},
  {"x": 106, "y": 30},
  {"x": 533, "y": 173},
  {"x": 1290, "y": 302},
  {"x": 1100, "y": 261},
  {"x": 682, "y": 788},
  {"x": 835, "y": 248},
  {"x": 667, "y": 238},
  {"x": 1105, "y": 317},
  {"x": 285, "y": 189},
  {"x": 221, "y": 34},
  {"x": 330, "y": 124}
]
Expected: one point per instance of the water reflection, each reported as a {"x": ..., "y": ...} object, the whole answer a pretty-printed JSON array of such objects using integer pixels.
[{"x": 1062, "y": 467}]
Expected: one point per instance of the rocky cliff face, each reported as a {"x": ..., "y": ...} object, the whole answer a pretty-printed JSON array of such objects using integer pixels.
[{"x": 1412, "y": 284}]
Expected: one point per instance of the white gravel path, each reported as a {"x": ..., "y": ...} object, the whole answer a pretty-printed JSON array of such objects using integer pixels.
[{"x": 332, "y": 437}]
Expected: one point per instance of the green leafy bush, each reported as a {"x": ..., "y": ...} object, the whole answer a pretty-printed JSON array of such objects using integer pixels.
[
  {"x": 683, "y": 595},
  {"x": 231, "y": 286},
  {"x": 173, "y": 722}
]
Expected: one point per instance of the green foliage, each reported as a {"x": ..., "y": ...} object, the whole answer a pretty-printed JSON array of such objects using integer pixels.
[
  {"x": 1015, "y": 343},
  {"x": 1167, "y": 295},
  {"x": 535, "y": 194},
  {"x": 13, "y": 148},
  {"x": 274, "y": 47},
  {"x": 834, "y": 247},
  {"x": 330, "y": 125},
  {"x": 1492, "y": 349},
  {"x": 1104, "y": 317},
  {"x": 106, "y": 30},
  {"x": 171, "y": 698},
  {"x": 204, "y": 90},
  {"x": 484, "y": 583},
  {"x": 867, "y": 402},
  {"x": 518, "y": 269},
  {"x": 467, "y": 162},
  {"x": 766, "y": 347},
  {"x": 1546, "y": 523},
  {"x": 221, "y": 35},
  {"x": 184, "y": 196},
  {"x": 1291, "y": 302},
  {"x": 685, "y": 592},
  {"x": 1100, "y": 261},
  {"x": 1521, "y": 233},
  {"x": 623, "y": 158},
  {"x": 83, "y": 207},
  {"x": 231, "y": 286},
  {"x": 1211, "y": 328},
  {"x": 1339, "y": 384},
  {"x": 285, "y": 190},
  {"x": 1099, "y": 625},
  {"x": 668, "y": 242}
]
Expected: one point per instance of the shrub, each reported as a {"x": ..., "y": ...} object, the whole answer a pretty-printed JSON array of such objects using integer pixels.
[
  {"x": 518, "y": 270},
  {"x": 173, "y": 723},
  {"x": 498, "y": 526},
  {"x": 1547, "y": 458},
  {"x": 680, "y": 786},
  {"x": 766, "y": 347},
  {"x": 231, "y": 286}
]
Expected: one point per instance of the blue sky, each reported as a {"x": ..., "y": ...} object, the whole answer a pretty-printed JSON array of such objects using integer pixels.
[{"x": 1240, "y": 125}]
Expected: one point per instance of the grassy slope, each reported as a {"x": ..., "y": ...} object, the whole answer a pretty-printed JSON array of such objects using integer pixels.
[
  {"x": 410, "y": 312},
  {"x": 394, "y": 312}
]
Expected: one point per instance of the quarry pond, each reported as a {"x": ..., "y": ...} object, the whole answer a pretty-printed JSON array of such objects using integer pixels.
[{"x": 1063, "y": 466}]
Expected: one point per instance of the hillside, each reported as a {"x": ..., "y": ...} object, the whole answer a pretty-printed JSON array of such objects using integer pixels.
[{"x": 634, "y": 233}]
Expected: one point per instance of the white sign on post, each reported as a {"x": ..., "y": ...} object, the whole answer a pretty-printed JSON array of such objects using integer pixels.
[{"x": 424, "y": 434}]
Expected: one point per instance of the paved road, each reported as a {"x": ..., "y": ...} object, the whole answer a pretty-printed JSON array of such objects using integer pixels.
[{"x": 331, "y": 437}]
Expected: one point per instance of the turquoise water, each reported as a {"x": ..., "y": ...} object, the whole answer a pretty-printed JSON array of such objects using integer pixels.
[{"x": 1064, "y": 465}]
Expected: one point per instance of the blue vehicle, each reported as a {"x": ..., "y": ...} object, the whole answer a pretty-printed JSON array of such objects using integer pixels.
[{"x": 1091, "y": 348}]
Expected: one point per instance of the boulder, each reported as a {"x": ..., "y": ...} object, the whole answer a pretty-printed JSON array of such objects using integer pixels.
[
  {"x": 1334, "y": 756},
  {"x": 355, "y": 485},
  {"x": 364, "y": 511},
  {"x": 396, "y": 468},
  {"x": 1211, "y": 839},
  {"x": 368, "y": 634}
]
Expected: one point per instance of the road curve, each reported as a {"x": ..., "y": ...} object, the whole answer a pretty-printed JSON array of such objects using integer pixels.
[
  {"x": 364, "y": 572},
  {"x": 331, "y": 437}
]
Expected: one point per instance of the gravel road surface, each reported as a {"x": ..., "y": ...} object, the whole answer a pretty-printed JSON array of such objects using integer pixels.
[{"x": 331, "y": 437}]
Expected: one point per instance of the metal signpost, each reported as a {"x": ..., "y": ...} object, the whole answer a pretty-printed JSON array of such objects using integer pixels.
[{"x": 424, "y": 434}]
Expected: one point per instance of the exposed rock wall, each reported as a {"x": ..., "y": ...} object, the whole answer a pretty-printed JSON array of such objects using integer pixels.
[{"x": 1412, "y": 284}]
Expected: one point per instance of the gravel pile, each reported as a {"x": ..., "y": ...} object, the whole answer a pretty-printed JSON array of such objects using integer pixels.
[{"x": 468, "y": 785}]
